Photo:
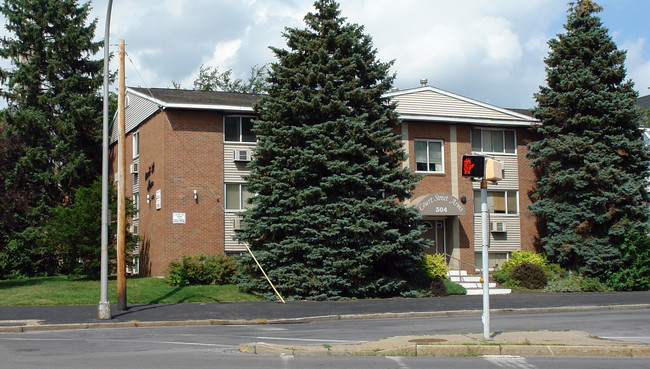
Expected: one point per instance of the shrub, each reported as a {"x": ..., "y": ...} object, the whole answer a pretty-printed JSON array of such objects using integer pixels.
[
  {"x": 454, "y": 288},
  {"x": 529, "y": 275},
  {"x": 634, "y": 274},
  {"x": 438, "y": 287},
  {"x": 518, "y": 257},
  {"x": 435, "y": 266},
  {"x": 573, "y": 282},
  {"x": 201, "y": 269}
]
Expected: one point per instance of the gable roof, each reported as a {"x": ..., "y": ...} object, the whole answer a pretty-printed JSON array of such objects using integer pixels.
[
  {"x": 193, "y": 99},
  {"x": 432, "y": 104}
]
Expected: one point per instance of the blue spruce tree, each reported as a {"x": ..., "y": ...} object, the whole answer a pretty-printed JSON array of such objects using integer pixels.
[
  {"x": 328, "y": 220},
  {"x": 591, "y": 160}
]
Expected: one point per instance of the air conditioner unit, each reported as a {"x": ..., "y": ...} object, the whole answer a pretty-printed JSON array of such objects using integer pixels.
[
  {"x": 134, "y": 168},
  {"x": 242, "y": 155},
  {"x": 497, "y": 227},
  {"x": 236, "y": 224}
]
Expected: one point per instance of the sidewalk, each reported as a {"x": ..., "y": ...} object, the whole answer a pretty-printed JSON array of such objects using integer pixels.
[{"x": 529, "y": 343}]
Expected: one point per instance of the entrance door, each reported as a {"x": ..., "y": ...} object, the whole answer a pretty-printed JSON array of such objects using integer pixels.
[{"x": 435, "y": 231}]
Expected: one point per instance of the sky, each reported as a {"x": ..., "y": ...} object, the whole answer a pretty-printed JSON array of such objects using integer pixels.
[{"x": 488, "y": 50}]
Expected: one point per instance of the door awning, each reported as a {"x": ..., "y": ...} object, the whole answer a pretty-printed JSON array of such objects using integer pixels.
[{"x": 439, "y": 204}]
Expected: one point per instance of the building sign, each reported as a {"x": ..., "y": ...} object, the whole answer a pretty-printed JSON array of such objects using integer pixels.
[
  {"x": 439, "y": 204},
  {"x": 178, "y": 218},
  {"x": 158, "y": 200}
]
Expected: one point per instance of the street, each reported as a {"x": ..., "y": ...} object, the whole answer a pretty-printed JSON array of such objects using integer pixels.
[{"x": 216, "y": 346}]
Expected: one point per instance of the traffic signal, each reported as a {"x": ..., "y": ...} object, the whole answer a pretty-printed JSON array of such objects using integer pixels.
[{"x": 473, "y": 166}]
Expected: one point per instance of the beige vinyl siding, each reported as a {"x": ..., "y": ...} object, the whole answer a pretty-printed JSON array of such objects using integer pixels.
[
  {"x": 136, "y": 112},
  {"x": 500, "y": 242},
  {"x": 231, "y": 245},
  {"x": 234, "y": 170},
  {"x": 436, "y": 104},
  {"x": 511, "y": 179}
]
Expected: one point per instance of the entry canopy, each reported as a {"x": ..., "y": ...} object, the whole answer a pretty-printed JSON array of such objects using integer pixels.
[{"x": 438, "y": 204}]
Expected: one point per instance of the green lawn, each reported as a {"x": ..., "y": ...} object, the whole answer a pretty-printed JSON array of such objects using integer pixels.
[{"x": 61, "y": 290}]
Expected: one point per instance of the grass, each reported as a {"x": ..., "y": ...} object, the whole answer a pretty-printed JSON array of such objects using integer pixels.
[{"x": 61, "y": 290}]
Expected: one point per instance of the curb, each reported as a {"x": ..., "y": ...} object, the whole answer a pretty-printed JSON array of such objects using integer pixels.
[
  {"x": 136, "y": 323},
  {"x": 455, "y": 350}
]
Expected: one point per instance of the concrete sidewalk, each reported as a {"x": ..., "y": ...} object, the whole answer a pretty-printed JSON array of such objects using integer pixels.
[{"x": 547, "y": 343}]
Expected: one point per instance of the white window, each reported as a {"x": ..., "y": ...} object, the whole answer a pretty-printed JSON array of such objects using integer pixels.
[
  {"x": 429, "y": 156},
  {"x": 136, "y": 144},
  {"x": 237, "y": 196},
  {"x": 238, "y": 129},
  {"x": 136, "y": 206},
  {"x": 499, "y": 202},
  {"x": 493, "y": 140}
]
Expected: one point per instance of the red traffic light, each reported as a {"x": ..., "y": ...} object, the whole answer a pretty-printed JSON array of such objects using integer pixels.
[{"x": 473, "y": 166}]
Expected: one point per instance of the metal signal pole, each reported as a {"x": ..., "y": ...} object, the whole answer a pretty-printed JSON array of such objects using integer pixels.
[
  {"x": 121, "y": 188},
  {"x": 104, "y": 307},
  {"x": 485, "y": 235}
]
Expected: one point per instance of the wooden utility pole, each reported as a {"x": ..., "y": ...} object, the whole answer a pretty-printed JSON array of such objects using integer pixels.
[{"x": 121, "y": 190}]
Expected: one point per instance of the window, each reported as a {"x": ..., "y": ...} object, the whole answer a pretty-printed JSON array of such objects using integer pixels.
[
  {"x": 136, "y": 206},
  {"x": 429, "y": 156},
  {"x": 499, "y": 202},
  {"x": 238, "y": 129},
  {"x": 237, "y": 196},
  {"x": 136, "y": 144},
  {"x": 493, "y": 140}
]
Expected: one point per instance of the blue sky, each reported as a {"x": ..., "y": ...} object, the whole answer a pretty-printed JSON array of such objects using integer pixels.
[{"x": 491, "y": 51}]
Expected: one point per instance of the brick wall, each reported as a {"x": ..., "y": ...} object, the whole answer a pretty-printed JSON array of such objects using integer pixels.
[{"x": 527, "y": 179}]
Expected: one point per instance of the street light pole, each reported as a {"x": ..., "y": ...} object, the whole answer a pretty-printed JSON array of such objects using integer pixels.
[{"x": 104, "y": 308}]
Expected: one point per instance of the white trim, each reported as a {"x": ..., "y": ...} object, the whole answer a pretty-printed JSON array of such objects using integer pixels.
[
  {"x": 442, "y": 155},
  {"x": 478, "y": 121}
]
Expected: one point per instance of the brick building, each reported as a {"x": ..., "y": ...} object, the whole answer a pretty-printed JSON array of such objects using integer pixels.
[{"x": 188, "y": 150}]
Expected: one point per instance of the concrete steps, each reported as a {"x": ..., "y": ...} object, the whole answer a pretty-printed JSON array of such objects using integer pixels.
[{"x": 473, "y": 284}]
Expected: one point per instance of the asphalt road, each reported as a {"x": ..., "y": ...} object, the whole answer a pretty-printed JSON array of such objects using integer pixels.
[{"x": 215, "y": 346}]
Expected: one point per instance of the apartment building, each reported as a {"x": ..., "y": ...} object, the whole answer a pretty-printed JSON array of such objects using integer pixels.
[{"x": 188, "y": 151}]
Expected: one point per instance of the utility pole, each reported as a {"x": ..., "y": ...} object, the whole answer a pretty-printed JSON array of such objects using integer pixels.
[
  {"x": 121, "y": 190},
  {"x": 104, "y": 307}
]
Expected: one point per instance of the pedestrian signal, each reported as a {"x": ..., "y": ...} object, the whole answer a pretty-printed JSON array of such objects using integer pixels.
[{"x": 473, "y": 166}]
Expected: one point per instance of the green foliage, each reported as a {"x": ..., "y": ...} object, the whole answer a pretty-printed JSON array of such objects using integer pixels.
[
  {"x": 454, "y": 288},
  {"x": 202, "y": 269},
  {"x": 329, "y": 219},
  {"x": 520, "y": 256},
  {"x": 575, "y": 282},
  {"x": 74, "y": 233},
  {"x": 210, "y": 79},
  {"x": 529, "y": 275},
  {"x": 54, "y": 113},
  {"x": 435, "y": 266},
  {"x": 591, "y": 161},
  {"x": 634, "y": 274}
]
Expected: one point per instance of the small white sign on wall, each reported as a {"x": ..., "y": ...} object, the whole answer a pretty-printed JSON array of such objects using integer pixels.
[
  {"x": 158, "y": 200},
  {"x": 178, "y": 218}
]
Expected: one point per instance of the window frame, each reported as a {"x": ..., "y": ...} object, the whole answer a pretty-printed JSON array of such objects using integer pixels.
[
  {"x": 242, "y": 206},
  {"x": 136, "y": 144},
  {"x": 240, "y": 129},
  {"x": 503, "y": 142},
  {"x": 477, "y": 207},
  {"x": 428, "y": 154}
]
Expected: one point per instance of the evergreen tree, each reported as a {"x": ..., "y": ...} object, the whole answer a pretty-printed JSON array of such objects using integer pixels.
[
  {"x": 591, "y": 160},
  {"x": 54, "y": 110},
  {"x": 328, "y": 220}
]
